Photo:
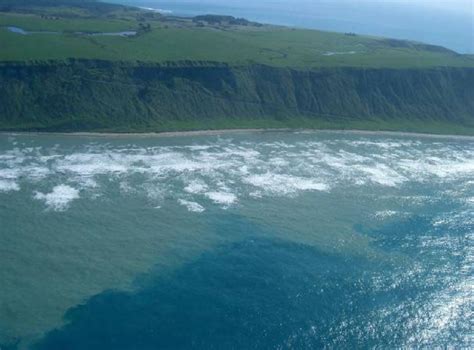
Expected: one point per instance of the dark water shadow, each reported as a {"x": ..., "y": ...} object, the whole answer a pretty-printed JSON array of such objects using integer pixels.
[{"x": 253, "y": 294}]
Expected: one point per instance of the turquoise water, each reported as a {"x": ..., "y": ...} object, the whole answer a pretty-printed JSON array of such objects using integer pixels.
[{"x": 270, "y": 240}]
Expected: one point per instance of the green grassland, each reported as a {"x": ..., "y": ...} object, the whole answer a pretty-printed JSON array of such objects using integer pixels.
[
  {"x": 179, "y": 39},
  {"x": 32, "y": 22}
]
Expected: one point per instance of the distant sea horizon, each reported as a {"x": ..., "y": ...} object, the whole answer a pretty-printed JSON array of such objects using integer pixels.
[{"x": 451, "y": 29}]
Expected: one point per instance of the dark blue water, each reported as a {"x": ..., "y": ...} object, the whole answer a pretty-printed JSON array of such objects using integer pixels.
[
  {"x": 256, "y": 294},
  {"x": 450, "y": 25}
]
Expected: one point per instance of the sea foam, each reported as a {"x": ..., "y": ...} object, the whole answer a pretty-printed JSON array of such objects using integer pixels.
[
  {"x": 60, "y": 197},
  {"x": 191, "y": 206},
  {"x": 219, "y": 169},
  {"x": 223, "y": 198},
  {"x": 284, "y": 184},
  {"x": 8, "y": 186}
]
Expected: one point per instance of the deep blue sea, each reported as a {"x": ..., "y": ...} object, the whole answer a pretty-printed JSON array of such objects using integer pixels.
[
  {"x": 253, "y": 240},
  {"x": 449, "y": 23}
]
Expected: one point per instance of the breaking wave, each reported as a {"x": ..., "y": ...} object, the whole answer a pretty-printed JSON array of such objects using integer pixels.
[{"x": 223, "y": 170}]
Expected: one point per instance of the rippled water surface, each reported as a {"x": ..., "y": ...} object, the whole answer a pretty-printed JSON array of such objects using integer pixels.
[{"x": 253, "y": 240}]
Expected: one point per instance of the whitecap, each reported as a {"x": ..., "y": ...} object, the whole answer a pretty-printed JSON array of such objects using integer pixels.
[
  {"x": 9, "y": 174},
  {"x": 191, "y": 206},
  {"x": 8, "y": 186},
  {"x": 382, "y": 175},
  {"x": 224, "y": 198},
  {"x": 60, "y": 197},
  {"x": 84, "y": 164},
  {"x": 284, "y": 184},
  {"x": 196, "y": 187}
]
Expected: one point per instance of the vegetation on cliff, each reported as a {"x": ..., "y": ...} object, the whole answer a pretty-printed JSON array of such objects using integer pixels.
[{"x": 112, "y": 96}]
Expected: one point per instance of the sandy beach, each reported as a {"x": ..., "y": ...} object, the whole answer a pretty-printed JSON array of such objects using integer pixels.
[{"x": 240, "y": 131}]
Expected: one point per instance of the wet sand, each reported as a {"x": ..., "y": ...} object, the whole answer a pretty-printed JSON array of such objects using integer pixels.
[{"x": 240, "y": 131}]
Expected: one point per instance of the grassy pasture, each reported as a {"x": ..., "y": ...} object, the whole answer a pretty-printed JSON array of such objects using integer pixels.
[{"x": 173, "y": 39}]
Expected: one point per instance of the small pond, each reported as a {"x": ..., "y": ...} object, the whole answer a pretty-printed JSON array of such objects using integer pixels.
[{"x": 22, "y": 31}]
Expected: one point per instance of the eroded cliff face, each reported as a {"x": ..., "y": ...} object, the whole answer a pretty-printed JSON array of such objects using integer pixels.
[{"x": 97, "y": 95}]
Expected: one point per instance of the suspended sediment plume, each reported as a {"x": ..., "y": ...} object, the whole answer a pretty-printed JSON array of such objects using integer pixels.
[{"x": 357, "y": 237}]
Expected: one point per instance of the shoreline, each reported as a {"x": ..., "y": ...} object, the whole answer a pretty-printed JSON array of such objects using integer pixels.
[{"x": 167, "y": 134}]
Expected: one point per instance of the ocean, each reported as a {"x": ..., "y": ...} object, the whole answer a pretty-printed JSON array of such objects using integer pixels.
[
  {"x": 450, "y": 25},
  {"x": 251, "y": 240}
]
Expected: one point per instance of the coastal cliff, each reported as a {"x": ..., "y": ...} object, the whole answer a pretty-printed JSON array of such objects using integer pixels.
[{"x": 93, "y": 95}]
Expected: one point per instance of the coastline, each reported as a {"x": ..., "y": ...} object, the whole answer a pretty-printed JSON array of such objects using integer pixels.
[{"x": 217, "y": 132}]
